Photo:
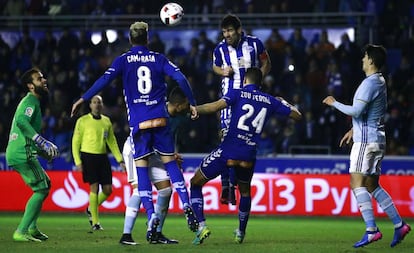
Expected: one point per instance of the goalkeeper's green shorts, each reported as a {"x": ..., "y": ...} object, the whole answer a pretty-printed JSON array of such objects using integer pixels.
[{"x": 33, "y": 175}]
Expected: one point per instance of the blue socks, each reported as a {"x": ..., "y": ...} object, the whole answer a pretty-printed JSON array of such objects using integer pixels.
[
  {"x": 177, "y": 180},
  {"x": 197, "y": 202},
  {"x": 145, "y": 190},
  {"x": 244, "y": 212}
]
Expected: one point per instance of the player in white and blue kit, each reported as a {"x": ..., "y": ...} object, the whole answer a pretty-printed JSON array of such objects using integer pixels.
[
  {"x": 143, "y": 75},
  {"x": 231, "y": 58},
  {"x": 368, "y": 110},
  {"x": 251, "y": 108}
]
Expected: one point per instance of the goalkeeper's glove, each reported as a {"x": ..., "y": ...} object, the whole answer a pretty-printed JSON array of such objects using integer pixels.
[{"x": 47, "y": 146}]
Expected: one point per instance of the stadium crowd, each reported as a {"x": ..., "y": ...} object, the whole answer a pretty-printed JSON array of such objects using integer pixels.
[{"x": 71, "y": 63}]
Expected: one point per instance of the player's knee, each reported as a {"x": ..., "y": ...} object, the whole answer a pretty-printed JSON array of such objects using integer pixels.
[
  {"x": 165, "y": 192},
  {"x": 107, "y": 190},
  {"x": 244, "y": 189},
  {"x": 43, "y": 192},
  {"x": 198, "y": 179}
]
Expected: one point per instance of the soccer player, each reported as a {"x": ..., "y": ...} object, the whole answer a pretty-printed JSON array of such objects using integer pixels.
[
  {"x": 143, "y": 75},
  {"x": 368, "y": 111},
  {"x": 231, "y": 58},
  {"x": 251, "y": 108},
  {"x": 161, "y": 181},
  {"x": 25, "y": 144},
  {"x": 177, "y": 104},
  {"x": 92, "y": 135}
]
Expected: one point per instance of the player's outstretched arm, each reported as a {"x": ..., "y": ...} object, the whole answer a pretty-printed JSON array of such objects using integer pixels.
[
  {"x": 295, "y": 113},
  {"x": 212, "y": 107},
  {"x": 75, "y": 107}
]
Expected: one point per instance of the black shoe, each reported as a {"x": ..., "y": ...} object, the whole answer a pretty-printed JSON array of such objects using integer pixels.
[
  {"x": 88, "y": 213},
  {"x": 191, "y": 218},
  {"x": 126, "y": 239},
  {"x": 164, "y": 240},
  {"x": 152, "y": 233},
  {"x": 97, "y": 227}
]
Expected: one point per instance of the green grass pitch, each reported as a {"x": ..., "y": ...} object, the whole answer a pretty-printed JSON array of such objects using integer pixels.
[{"x": 68, "y": 233}]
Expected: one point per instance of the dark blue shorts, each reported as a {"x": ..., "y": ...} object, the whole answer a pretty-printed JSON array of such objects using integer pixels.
[
  {"x": 215, "y": 163},
  {"x": 148, "y": 141}
]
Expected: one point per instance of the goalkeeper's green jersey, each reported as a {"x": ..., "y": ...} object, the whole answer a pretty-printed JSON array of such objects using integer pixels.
[{"x": 27, "y": 122}]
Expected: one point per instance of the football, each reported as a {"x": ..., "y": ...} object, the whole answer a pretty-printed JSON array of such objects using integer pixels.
[{"x": 171, "y": 14}]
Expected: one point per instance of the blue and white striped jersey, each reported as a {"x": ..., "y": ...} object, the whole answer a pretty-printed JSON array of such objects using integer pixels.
[
  {"x": 143, "y": 76},
  {"x": 245, "y": 55}
]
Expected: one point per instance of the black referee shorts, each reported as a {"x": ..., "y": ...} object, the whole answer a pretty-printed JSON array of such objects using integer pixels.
[{"x": 96, "y": 168}]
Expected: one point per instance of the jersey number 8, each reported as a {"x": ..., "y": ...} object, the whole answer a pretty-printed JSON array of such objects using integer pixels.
[{"x": 144, "y": 81}]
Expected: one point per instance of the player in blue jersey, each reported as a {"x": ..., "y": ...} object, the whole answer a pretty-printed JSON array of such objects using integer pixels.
[
  {"x": 231, "y": 58},
  {"x": 368, "y": 110},
  {"x": 143, "y": 75},
  {"x": 177, "y": 105},
  {"x": 251, "y": 108}
]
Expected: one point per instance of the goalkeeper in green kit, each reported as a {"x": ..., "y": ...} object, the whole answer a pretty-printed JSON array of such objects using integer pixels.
[{"x": 23, "y": 148}]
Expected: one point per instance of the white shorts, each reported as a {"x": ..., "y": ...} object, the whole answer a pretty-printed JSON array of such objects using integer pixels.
[
  {"x": 366, "y": 158},
  {"x": 157, "y": 171}
]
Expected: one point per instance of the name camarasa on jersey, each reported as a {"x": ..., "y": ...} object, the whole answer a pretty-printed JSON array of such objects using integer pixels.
[
  {"x": 255, "y": 97},
  {"x": 140, "y": 58}
]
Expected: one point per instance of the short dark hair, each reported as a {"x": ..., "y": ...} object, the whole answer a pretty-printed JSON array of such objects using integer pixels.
[
  {"x": 27, "y": 76},
  {"x": 254, "y": 75},
  {"x": 230, "y": 20},
  {"x": 377, "y": 53},
  {"x": 177, "y": 96}
]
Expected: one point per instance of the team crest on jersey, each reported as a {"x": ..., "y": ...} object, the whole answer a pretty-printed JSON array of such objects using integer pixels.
[{"x": 28, "y": 112}]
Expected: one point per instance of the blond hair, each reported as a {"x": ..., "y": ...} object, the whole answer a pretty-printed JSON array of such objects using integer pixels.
[{"x": 138, "y": 32}]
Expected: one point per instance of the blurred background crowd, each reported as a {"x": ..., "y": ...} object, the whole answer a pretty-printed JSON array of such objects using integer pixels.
[{"x": 304, "y": 71}]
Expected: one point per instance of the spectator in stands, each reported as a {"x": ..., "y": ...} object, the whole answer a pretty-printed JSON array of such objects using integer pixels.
[
  {"x": 5, "y": 55},
  {"x": 177, "y": 50},
  {"x": 47, "y": 44},
  {"x": 38, "y": 7},
  {"x": 26, "y": 42},
  {"x": 67, "y": 41},
  {"x": 323, "y": 49},
  {"x": 15, "y": 8},
  {"x": 334, "y": 79},
  {"x": 275, "y": 45},
  {"x": 156, "y": 44},
  {"x": 348, "y": 57},
  {"x": 299, "y": 44}
]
